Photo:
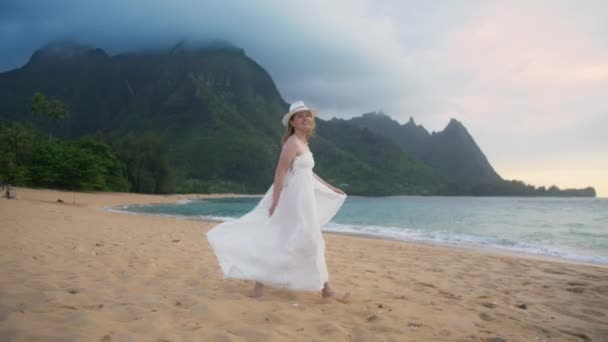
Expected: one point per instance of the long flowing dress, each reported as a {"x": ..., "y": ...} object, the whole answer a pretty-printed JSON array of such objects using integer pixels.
[{"x": 286, "y": 249}]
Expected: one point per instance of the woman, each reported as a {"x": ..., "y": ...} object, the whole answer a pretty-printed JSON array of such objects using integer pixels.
[{"x": 279, "y": 243}]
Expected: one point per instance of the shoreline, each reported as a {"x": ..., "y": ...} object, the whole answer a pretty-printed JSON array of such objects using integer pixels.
[
  {"x": 495, "y": 250},
  {"x": 74, "y": 272},
  {"x": 475, "y": 249}
]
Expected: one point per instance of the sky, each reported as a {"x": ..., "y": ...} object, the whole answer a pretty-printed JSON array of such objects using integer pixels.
[{"x": 529, "y": 79}]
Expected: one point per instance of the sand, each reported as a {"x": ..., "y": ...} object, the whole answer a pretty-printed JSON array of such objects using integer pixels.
[{"x": 73, "y": 271}]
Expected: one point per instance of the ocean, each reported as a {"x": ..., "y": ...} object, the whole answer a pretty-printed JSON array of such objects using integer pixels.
[{"x": 567, "y": 228}]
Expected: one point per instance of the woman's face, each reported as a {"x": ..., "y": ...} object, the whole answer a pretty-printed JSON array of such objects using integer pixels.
[{"x": 302, "y": 120}]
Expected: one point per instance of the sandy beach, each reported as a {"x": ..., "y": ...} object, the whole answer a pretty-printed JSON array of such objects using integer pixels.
[{"x": 73, "y": 271}]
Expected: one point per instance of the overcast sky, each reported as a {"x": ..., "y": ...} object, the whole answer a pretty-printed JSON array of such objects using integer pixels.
[{"x": 529, "y": 79}]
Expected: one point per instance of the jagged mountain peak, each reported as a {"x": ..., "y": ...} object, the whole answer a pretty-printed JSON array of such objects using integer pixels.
[
  {"x": 187, "y": 47},
  {"x": 412, "y": 126},
  {"x": 376, "y": 114},
  {"x": 454, "y": 124},
  {"x": 67, "y": 49},
  {"x": 453, "y": 128},
  {"x": 386, "y": 121},
  {"x": 63, "y": 51},
  {"x": 452, "y": 151}
]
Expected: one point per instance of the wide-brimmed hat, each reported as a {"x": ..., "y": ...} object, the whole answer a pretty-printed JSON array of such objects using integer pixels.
[{"x": 296, "y": 107}]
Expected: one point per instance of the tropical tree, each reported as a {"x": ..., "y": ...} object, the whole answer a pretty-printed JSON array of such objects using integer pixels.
[{"x": 53, "y": 110}]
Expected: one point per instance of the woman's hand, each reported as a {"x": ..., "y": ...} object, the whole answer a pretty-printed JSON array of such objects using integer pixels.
[
  {"x": 339, "y": 191},
  {"x": 333, "y": 188}
]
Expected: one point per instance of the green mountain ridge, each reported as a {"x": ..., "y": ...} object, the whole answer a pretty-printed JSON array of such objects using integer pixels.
[
  {"x": 217, "y": 112},
  {"x": 453, "y": 151}
]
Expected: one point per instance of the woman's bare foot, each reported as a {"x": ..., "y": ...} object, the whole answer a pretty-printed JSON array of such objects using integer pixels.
[
  {"x": 257, "y": 291},
  {"x": 329, "y": 293}
]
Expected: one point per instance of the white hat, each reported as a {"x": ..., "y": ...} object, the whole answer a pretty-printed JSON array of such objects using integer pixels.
[{"x": 296, "y": 107}]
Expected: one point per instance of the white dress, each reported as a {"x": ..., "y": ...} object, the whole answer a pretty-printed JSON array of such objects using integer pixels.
[{"x": 286, "y": 249}]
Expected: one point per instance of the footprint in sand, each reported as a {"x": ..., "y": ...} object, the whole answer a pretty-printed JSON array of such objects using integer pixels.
[
  {"x": 575, "y": 289},
  {"x": 582, "y": 336},
  {"x": 485, "y": 317},
  {"x": 590, "y": 276},
  {"x": 426, "y": 284},
  {"x": 577, "y": 283},
  {"x": 414, "y": 325},
  {"x": 552, "y": 271},
  {"x": 449, "y": 295},
  {"x": 94, "y": 307},
  {"x": 494, "y": 339}
]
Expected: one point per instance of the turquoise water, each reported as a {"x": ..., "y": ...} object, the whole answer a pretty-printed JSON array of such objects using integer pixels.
[{"x": 567, "y": 228}]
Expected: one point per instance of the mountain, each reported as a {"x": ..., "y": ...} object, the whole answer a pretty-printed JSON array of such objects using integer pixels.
[
  {"x": 453, "y": 151},
  {"x": 206, "y": 118},
  {"x": 216, "y": 110}
]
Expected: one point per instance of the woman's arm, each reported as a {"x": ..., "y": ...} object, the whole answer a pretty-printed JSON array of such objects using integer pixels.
[
  {"x": 329, "y": 185},
  {"x": 288, "y": 154}
]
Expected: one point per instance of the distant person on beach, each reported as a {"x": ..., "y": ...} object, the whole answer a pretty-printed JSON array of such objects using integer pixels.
[
  {"x": 10, "y": 192},
  {"x": 279, "y": 243}
]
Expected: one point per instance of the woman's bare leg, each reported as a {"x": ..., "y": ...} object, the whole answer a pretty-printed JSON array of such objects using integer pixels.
[{"x": 257, "y": 291}]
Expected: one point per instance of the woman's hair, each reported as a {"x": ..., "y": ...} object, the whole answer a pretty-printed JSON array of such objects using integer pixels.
[{"x": 289, "y": 129}]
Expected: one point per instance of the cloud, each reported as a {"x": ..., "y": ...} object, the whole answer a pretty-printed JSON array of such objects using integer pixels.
[
  {"x": 528, "y": 79},
  {"x": 522, "y": 71}
]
